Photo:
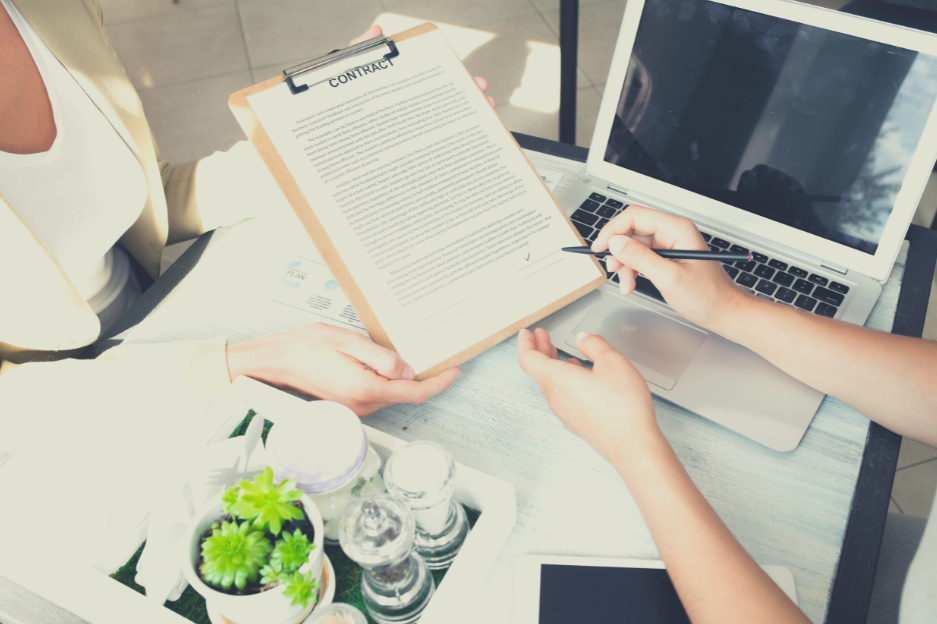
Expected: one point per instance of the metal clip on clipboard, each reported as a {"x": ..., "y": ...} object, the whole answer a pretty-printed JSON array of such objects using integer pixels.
[{"x": 333, "y": 57}]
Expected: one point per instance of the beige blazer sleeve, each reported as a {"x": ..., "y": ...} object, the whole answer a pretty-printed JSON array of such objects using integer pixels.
[{"x": 185, "y": 374}]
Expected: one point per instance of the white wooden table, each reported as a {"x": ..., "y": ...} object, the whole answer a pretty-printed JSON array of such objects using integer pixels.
[{"x": 787, "y": 509}]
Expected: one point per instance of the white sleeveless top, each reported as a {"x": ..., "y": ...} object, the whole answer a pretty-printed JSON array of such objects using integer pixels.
[{"x": 82, "y": 194}]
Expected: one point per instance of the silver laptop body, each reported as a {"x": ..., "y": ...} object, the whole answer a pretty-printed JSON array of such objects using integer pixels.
[{"x": 803, "y": 135}]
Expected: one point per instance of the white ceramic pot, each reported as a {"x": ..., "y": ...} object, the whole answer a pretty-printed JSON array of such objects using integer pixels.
[{"x": 268, "y": 607}]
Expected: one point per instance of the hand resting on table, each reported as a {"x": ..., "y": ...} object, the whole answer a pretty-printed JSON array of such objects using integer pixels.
[{"x": 604, "y": 406}]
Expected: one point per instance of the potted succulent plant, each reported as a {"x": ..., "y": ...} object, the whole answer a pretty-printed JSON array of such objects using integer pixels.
[{"x": 255, "y": 553}]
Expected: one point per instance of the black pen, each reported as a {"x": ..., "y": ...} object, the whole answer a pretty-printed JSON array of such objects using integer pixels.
[{"x": 675, "y": 254}]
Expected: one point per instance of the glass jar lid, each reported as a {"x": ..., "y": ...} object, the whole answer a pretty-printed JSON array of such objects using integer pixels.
[
  {"x": 422, "y": 473},
  {"x": 377, "y": 530},
  {"x": 323, "y": 447}
]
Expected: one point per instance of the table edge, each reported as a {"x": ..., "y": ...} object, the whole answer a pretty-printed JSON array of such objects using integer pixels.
[{"x": 855, "y": 571}]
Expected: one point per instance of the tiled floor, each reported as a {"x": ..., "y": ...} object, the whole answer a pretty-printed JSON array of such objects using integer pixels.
[{"x": 187, "y": 58}]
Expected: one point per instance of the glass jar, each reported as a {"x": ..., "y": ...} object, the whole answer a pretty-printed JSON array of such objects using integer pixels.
[
  {"x": 363, "y": 483},
  {"x": 326, "y": 451},
  {"x": 422, "y": 474},
  {"x": 377, "y": 533}
]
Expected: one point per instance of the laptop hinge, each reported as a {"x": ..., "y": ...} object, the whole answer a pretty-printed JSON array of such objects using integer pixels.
[
  {"x": 618, "y": 189},
  {"x": 833, "y": 267}
]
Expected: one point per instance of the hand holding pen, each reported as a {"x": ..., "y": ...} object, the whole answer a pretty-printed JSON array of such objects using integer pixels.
[{"x": 634, "y": 242}]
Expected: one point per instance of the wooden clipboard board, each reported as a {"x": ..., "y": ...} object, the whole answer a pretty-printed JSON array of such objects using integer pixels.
[{"x": 262, "y": 142}]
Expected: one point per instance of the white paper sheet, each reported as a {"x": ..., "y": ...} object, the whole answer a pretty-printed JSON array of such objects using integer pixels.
[
  {"x": 434, "y": 211},
  {"x": 303, "y": 282}
]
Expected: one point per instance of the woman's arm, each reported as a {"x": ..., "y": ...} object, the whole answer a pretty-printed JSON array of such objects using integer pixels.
[
  {"x": 611, "y": 409},
  {"x": 890, "y": 379}
]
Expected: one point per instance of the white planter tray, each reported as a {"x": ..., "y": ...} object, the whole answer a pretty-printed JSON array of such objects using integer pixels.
[
  {"x": 99, "y": 599},
  {"x": 495, "y": 499}
]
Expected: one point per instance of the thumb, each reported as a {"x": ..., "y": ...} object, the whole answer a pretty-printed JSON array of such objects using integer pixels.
[
  {"x": 598, "y": 350},
  {"x": 371, "y": 33},
  {"x": 636, "y": 256},
  {"x": 532, "y": 361}
]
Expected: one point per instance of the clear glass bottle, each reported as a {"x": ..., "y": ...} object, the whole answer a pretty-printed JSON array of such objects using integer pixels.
[
  {"x": 423, "y": 473},
  {"x": 326, "y": 452},
  {"x": 377, "y": 533}
]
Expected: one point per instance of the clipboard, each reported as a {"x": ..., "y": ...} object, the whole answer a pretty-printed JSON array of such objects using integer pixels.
[{"x": 302, "y": 81}]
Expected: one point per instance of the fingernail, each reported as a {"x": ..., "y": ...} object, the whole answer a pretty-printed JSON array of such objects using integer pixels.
[
  {"x": 408, "y": 372},
  {"x": 616, "y": 243},
  {"x": 582, "y": 336},
  {"x": 621, "y": 289}
]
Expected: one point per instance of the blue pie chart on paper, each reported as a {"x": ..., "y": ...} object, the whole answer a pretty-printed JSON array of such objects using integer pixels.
[{"x": 331, "y": 285}]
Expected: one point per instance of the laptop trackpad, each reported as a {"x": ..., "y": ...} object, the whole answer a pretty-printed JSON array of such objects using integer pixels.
[{"x": 658, "y": 346}]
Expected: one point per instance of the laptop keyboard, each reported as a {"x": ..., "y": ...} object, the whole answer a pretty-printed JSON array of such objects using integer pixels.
[{"x": 766, "y": 277}]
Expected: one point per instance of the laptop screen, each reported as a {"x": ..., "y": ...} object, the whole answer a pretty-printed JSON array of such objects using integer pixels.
[{"x": 804, "y": 126}]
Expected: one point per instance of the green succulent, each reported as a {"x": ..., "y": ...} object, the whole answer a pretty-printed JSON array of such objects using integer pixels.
[
  {"x": 267, "y": 505},
  {"x": 292, "y": 551},
  {"x": 230, "y": 496},
  {"x": 233, "y": 554},
  {"x": 302, "y": 589},
  {"x": 271, "y": 573}
]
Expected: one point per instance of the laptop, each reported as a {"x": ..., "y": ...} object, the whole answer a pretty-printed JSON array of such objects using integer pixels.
[{"x": 803, "y": 135}]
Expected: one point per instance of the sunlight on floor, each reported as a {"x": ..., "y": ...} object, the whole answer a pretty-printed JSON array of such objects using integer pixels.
[
  {"x": 540, "y": 84},
  {"x": 463, "y": 40},
  {"x": 539, "y": 88}
]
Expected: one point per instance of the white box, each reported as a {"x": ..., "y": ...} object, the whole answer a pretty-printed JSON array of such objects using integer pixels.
[{"x": 99, "y": 599}]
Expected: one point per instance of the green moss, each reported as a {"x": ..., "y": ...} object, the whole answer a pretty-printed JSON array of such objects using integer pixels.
[
  {"x": 242, "y": 428},
  {"x": 347, "y": 573}
]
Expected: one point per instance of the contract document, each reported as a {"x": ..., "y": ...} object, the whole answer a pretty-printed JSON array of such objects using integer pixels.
[{"x": 434, "y": 223}]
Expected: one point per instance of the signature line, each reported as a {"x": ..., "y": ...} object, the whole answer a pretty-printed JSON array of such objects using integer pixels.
[
  {"x": 544, "y": 268},
  {"x": 449, "y": 318},
  {"x": 444, "y": 309}
]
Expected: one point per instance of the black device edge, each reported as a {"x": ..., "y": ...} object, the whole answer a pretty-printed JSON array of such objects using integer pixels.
[
  {"x": 546, "y": 146},
  {"x": 855, "y": 572}
]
